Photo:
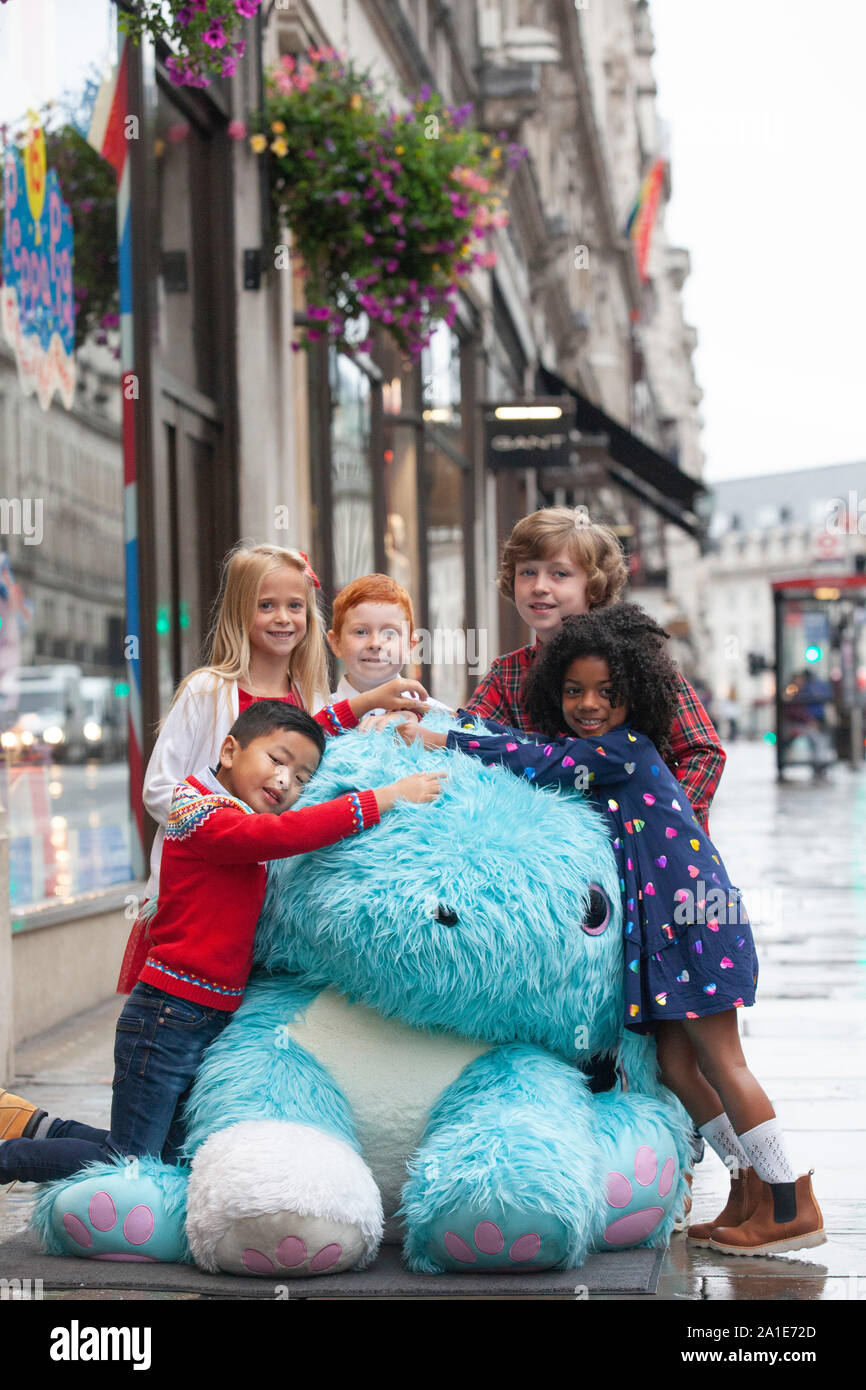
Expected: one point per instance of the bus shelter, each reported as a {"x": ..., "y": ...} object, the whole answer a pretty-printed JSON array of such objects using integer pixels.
[{"x": 820, "y": 624}]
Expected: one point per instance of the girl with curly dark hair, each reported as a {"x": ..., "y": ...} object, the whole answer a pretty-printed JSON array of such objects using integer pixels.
[{"x": 690, "y": 960}]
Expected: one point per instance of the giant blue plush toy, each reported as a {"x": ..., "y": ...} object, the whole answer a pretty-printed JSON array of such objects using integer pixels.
[{"x": 407, "y": 1058}]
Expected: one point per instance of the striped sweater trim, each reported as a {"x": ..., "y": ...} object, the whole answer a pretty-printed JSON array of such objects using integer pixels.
[
  {"x": 199, "y": 980},
  {"x": 190, "y": 808}
]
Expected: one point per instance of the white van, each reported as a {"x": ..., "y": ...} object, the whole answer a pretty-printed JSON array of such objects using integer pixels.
[{"x": 42, "y": 713}]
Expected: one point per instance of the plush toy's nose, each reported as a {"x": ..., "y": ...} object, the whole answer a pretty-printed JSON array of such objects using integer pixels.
[{"x": 446, "y": 915}]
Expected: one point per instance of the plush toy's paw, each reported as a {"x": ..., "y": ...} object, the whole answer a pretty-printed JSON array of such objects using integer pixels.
[
  {"x": 117, "y": 1217},
  {"x": 638, "y": 1198},
  {"x": 286, "y": 1244},
  {"x": 261, "y": 1190},
  {"x": 499, "y": 1239}
]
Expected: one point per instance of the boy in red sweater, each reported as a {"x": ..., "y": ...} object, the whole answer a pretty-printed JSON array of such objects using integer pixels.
[{"x": 225, "y": 824}]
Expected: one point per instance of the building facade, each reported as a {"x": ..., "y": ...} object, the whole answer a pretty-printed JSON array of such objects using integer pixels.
[{"x": 810, "y": 522}]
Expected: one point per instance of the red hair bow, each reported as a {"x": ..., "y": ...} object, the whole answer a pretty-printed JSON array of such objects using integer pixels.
[{"x": 309, "y": 571}]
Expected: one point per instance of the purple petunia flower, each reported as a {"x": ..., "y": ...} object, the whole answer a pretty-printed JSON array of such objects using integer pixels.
[
  {"x": 247, "y": 8},
  {"x": 215, "y": 35}
]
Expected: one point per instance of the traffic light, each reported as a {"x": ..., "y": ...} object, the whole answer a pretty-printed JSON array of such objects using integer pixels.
[{"x": 813, "y": 654}]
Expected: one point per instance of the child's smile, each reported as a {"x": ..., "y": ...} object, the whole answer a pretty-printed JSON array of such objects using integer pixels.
[{"x": 586, "y": 698}]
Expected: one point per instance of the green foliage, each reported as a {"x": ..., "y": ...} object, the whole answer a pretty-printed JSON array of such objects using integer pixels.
[{"x": 386, "y": 207}]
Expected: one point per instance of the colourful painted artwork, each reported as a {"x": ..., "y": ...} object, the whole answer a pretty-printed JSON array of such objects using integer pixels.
[{"x": 36, "y": 298}]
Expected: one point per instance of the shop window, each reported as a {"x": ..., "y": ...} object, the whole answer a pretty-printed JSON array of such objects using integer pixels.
[
  {"x": 65, "y": 545},
  {"x": 351, "y": 474}
]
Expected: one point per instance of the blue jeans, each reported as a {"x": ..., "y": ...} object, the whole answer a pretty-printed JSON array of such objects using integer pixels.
[{"x": 158, "y": 1046}]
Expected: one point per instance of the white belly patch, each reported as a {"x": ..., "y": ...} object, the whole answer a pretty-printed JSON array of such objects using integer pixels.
[{"x": 391, "y": 1075}]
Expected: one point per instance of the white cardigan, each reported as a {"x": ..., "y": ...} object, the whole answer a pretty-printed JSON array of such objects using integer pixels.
[{"x": 190, "y": 739}]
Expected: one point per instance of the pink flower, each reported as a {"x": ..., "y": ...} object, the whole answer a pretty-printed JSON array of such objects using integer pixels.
[
  {"x": 314, "y": 334},
  {"x": 368, "y": 239},
  {"x": 487, "y": 259},
  {"x": 392, "y": 265},
  {"x": 215, "y": 35},
  {"x": 236, "y": 130},
  {"x": 247, "y": 8},
  {"x": 343, "y": 197},
  {"x": 184, "y": 15},
  {"x": 229, "y": 67}
]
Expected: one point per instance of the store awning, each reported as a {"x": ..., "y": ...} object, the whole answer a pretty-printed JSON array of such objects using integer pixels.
[{"x": 633, "y": 464}]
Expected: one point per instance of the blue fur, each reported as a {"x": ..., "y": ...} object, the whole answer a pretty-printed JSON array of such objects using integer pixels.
[
  {"x": 517, "y": 966},
  {"x": 254, "y": 1071},
  {"x": 517, "y": 1138},
  {"x": 511, "y": 1132}
]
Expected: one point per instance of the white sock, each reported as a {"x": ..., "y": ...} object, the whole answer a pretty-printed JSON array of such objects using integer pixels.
[
  {"x": 722, "y": 1139},
  {"x": 766, "y": 1150}
]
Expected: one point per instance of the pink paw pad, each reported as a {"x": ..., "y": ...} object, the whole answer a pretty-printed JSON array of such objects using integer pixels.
[
  {"x": 489, "y": 1240},
  {"x": 102, "y": 1214},
  {"x": 291, "y": 1253},
  {"x": 620, "y": 1191}
]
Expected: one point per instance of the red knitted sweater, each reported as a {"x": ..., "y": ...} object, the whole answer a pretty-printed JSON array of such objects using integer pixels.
[{"x": 213, "y": 879}]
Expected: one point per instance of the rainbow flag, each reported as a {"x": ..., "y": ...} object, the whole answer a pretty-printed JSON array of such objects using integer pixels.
[{"x": 641, "y": 219}]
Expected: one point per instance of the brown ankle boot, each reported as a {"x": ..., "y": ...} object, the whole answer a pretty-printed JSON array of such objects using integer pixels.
[
  {"x": 743, "y": 1197},
  {"x": 761, "y": 1234},
  {"x": 15, "y": 1115}
]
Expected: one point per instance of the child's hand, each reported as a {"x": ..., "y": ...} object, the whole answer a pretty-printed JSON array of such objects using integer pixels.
[
  {"x": 395, "y": 694},
  {"x": 381, "y": 721},
  {"x": 421, "y": 787},
  {"x": 412, "y": 730}
]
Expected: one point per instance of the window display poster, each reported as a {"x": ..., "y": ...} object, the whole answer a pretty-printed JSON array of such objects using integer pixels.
[{"x": 37, "y": 306}]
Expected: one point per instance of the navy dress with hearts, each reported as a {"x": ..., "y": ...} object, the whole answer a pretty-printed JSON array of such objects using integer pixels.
[{"x": 689, "y": 950}]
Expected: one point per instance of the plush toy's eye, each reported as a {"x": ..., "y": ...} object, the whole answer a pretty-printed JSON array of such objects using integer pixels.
[
  {"x": 598, "y": 914},
  {"x": 446, "y": 915}
]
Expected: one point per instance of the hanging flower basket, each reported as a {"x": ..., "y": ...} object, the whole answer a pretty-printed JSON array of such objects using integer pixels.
[
  {"x": 205, "y": 35},
  {"x": 389, "y": 210}
]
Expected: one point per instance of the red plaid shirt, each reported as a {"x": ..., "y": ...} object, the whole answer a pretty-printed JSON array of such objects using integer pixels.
[{"x": 697, "y": 757}]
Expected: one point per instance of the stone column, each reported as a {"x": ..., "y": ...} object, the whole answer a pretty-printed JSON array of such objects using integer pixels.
[{"x": 7, "y": 1058}]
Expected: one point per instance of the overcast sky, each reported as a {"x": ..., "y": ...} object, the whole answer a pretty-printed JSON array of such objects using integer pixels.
[{"x": 766, "y": 100}]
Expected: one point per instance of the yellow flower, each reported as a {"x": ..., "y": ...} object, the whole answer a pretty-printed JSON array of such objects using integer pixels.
[
  {"x": 280, "y": 146},
  {"x": 435, "y": 265},
  {"x": 258, "y": 143},
  {"x": 496, "y": 152},
  {"x": 278, "y": 127},
  {"x": 398, "y": 149},
  {"x": 485, "y": 139},
  {"x": 355, "y": 101}
]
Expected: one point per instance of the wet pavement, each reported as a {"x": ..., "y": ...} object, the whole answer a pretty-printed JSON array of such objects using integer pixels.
[{"x": 798, "y": 852}]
